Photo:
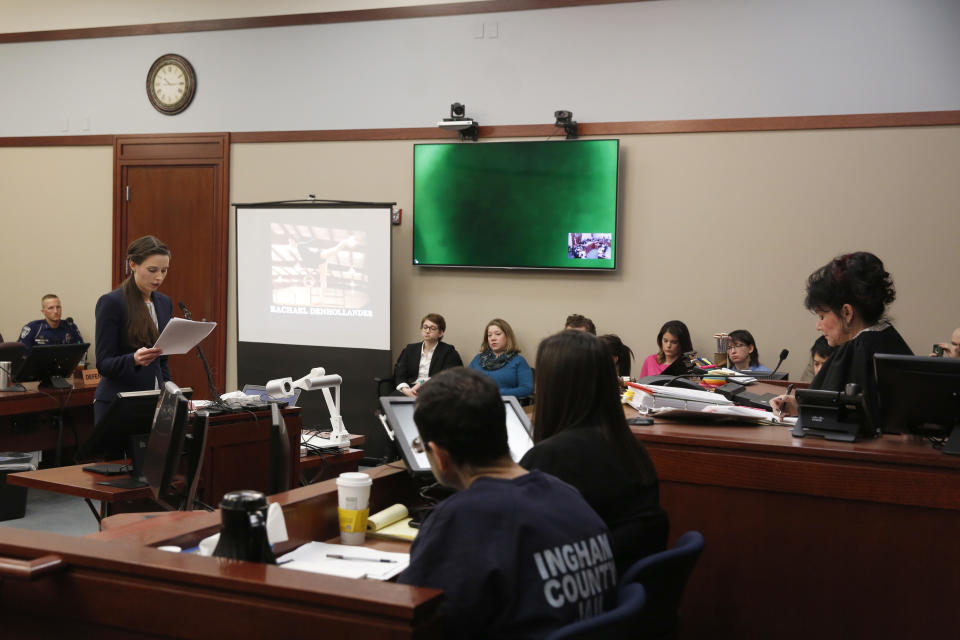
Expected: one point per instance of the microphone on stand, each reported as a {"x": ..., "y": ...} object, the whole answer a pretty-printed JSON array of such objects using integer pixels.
[
  {"x": 783, "y": 356},
  {"x": 206, "y": 366}
]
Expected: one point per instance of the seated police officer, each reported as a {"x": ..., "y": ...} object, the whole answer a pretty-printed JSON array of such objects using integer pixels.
[
  {"x": 516, "y": 553},
  {"x": 50, "y": 329}
]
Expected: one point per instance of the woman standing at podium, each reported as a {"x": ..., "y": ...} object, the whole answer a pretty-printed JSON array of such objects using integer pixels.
[
  {"x": 129, "y": 320},
  {"x": 582, "y": 438},
  {"x": 849, "y": 296}
]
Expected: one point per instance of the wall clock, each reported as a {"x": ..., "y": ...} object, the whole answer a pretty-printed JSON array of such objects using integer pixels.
[{"x": 171, "y": 84}]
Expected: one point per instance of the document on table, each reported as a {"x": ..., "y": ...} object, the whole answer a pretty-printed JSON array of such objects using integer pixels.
[
  {"x": 180, "y": 335},
  {"x": 724, "y": 413},
  {"x": 649, "y": 397},
  {"x": 346, "y": 561}
]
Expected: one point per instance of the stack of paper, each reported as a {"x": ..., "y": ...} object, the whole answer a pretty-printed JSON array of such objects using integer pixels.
[
  {"x": 652, "y": 397},
  {"x": 721, "y": 414},
  {"x": 347, "y": 561}
]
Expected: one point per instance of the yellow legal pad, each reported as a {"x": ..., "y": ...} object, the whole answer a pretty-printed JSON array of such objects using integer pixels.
[{"x": 392, "y": 523}]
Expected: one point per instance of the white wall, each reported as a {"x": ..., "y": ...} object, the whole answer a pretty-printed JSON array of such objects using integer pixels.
[{"x": 670, "y": 59}]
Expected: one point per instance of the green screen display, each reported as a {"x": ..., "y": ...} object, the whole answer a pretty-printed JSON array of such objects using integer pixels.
[{"x": 538, "y": 205}]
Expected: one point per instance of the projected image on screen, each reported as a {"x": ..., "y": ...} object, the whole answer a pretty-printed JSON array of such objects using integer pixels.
[
  {"x": 317, "y": 276},
  {"x": 588, "y": 246},
  {"x": 515, "y": 204},
  {"x": 316, "y": 268}
]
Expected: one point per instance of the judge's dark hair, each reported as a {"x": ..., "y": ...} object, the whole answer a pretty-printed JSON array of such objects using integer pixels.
[
  {"x": 857, "y": 279},
  {"x": 436, "y": 319},
  {"x": 678, "y": 330},
  {"x": 744, "y": 336},
  {"x": 615, "y": 348},
  {"x": 141, "y": 331},
  {"x": 461, "y": 410},
  {"x": 577, "y": 321},
  {"x": 821, "y": 348},
  {"x": 576, "y": 388}
]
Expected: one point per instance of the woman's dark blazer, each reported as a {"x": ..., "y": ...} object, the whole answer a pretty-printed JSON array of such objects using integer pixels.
[
  {"x": 118, "y": 372},
  {"x": 408, "y": 364}
]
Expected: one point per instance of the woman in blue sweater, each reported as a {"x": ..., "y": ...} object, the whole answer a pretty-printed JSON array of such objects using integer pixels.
[{"x": 500, "y": 359}]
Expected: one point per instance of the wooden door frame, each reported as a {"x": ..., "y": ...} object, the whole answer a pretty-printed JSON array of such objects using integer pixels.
[{"x": 197, "y": 149}]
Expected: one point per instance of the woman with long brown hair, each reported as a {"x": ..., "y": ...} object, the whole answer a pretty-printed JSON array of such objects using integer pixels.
[
  {"x": 129, "y": 320},
  {"x": 582, "y": 438}
]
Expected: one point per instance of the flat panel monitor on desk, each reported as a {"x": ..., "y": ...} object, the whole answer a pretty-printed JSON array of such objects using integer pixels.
[
  {"x": 920, "y": 395},
  {"x": 130, "y": 415},
  {"x": 166, "y": 441},
  {"x": 51, "y": 364},
  {"x": 399, "y": 410}
]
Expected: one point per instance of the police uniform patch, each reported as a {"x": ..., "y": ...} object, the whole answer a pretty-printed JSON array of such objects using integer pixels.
[{"x": 25, "y": 332}]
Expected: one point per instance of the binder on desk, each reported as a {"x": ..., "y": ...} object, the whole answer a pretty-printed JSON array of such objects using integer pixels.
[{"x": 652, "y": 397}]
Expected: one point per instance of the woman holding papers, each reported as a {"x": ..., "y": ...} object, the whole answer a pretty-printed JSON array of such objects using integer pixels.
[
  {"x": 582, "y": 438},
  {"x": 673, "y": 341},
  {"x": 129, "y": 320},
  {"x": 849, "y": 296}
]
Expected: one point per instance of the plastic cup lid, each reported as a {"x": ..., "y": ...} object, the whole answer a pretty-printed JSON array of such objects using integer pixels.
[{"x": 354, "y": 479}]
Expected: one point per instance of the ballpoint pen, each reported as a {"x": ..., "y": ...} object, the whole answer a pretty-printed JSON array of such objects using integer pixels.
[
  {"x": 788, "y": 392},
  {"x": 337, "y": 556}
]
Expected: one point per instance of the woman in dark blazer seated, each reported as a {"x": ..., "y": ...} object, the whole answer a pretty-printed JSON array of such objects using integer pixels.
[
  {"x": 420, "y": 360},
  {"x": 849, "y": 296},
  {"x": 582, "y": 438},
  {"x": 129, "y": 320}
]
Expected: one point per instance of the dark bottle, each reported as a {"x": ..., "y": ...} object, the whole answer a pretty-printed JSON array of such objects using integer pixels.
[{"x": 244, "y": 532}]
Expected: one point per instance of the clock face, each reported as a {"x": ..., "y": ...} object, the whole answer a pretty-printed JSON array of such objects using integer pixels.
[{"x": 171, "y": 84}]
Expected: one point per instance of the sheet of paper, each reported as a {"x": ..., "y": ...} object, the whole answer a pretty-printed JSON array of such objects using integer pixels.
[
  {"x": 356, "y": 562},
  {"x": 180, "y": 335}
]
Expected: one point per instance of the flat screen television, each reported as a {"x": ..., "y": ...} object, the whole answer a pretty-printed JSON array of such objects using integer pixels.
[
  {"x": 516, "y": 205},
  {"x": 920, "y": 395},
  {"x": 399, "y": 411}
]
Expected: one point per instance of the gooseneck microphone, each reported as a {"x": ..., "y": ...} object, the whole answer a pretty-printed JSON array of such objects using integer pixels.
[
  {"x": 783, "y": 356},
  {"x": 206, "y": 365}
]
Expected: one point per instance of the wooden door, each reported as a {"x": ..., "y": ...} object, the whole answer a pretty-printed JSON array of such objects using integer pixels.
[{"x": 174, "y": 187}]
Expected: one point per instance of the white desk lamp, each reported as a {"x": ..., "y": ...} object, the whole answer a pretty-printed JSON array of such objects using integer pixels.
[{"x": 317, "y": 379}]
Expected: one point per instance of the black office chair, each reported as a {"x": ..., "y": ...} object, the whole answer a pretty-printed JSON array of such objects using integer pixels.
[
  {"x": 619, "y": 622},
  {"x": 389, "y": 381},
  {"x": 664, "y": 575}
]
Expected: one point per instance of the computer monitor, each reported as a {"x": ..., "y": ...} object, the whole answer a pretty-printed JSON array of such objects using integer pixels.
[
  {"x": 920, "y": 395},
  {"x": 51, "y": 364},
  {"x": 129, "y": 415},
  {"x": 399, "y": 411},
  {"x": 166, "y": 441}
]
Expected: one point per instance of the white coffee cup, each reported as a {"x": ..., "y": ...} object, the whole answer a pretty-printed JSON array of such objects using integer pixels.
[{"x": 353, "y": 495}]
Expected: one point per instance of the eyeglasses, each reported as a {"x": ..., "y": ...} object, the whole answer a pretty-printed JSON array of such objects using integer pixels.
[
  {"x": 736, "y": 346},
  {"x": 430, "y": 327}
]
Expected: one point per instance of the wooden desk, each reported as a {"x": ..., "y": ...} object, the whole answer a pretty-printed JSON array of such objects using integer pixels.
[
  {"x": 113, "y": 583},
  {"x": 811, "y": 538},
  {"x": 19, "y": 410},
  {"x": 237, "y": 457}
]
